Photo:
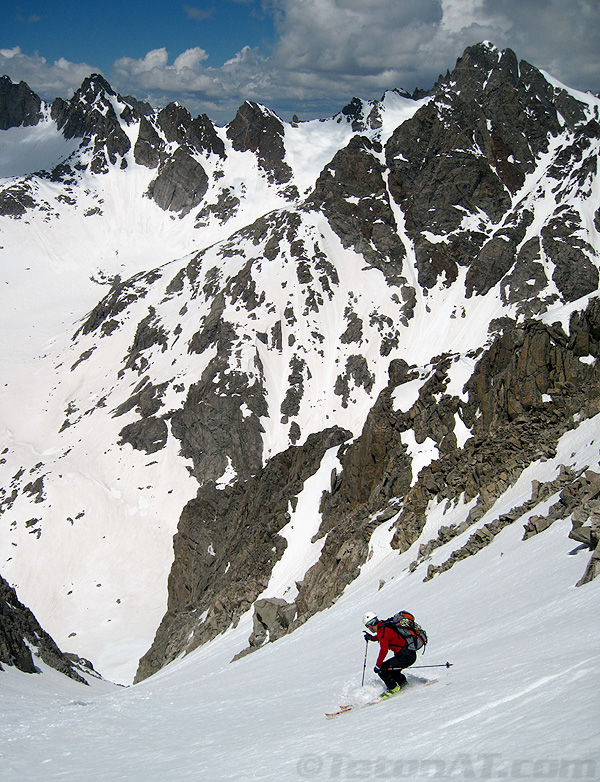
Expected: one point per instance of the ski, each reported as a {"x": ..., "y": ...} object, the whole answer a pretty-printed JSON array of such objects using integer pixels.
[
  {"x": 349, "y": 707},
  {"x": 354, "y": 706}
]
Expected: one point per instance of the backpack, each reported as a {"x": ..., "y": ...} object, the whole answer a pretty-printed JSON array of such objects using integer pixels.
[{"x": 404, "y": 624}]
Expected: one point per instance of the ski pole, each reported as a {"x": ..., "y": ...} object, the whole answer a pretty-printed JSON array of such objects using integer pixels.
[
  {"x": 365, "y": 663},
  {"x": 443, "y": 665}
]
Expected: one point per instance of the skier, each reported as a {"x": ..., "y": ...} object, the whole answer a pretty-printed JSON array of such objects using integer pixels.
[{"x": 390, "y": 670}]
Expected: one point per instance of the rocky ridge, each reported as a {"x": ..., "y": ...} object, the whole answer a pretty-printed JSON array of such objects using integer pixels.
[
  {"x": 526, "y": 391},
  {"x": 22, "y": 639},
  {"x": 19, "y": 105}
]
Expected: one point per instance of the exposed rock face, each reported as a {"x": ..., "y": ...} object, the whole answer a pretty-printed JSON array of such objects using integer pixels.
[
  {"x": 352, "y": 193},
  {"x": 18, "y": 105},
  {"x": 225, "y": 548},
  {"x": 20, "y": 633},
  {"x": 572, "y": 497},
  {"x": 16, "y": 200},
  {"x": 582, "y": 503},
  {"x": 181, "y": 183},
  {"x": 578, "y": 499},
  {"x": 90, "y": 115},
  {"x": 259, "y": 130},
  {"x": 533, "y": 364},
  {"x": 527, "y": 390},
  {"x": 147, "y": 148},
  {"x": 469, "y": 151},
  {"x": 213, "y": 427},
  {"x": 149, "y": 434},
  {"x": 273, "y": 617}
]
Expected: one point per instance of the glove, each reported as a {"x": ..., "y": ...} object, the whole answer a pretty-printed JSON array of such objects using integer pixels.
[
  {"x": 368, "y": 637},
  {"x": 376, "y": 669}
]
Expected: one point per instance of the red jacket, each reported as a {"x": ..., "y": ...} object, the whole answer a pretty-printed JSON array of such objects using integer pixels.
[{"x": 389, "y": 640}]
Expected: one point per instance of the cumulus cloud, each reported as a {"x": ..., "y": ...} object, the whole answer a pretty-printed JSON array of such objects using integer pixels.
[
  {"x": 331, "y": 50},
  {"x": 559, "y": 36},
  {"x": 246, "y": 76},
  {"x": 348, "y": 47},
  {"x": 327, "y": 51},
  {"x": 47, "y": 79},
  {"x": 153, "y": 73},
  {"x": 347, "y": 38}
]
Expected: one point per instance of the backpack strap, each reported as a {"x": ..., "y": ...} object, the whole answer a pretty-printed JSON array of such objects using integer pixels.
[{"x": 412, "y": 633}]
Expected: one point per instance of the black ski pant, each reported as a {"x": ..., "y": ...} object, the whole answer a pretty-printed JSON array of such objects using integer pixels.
[{"x": 391, "y": 670}]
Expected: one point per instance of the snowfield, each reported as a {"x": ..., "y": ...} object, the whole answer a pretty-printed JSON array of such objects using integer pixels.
[{"x": 519, "y": 702}]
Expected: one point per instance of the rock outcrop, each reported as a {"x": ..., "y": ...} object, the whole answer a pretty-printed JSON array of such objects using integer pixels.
[
  {"x": 352, "y": 193},
  {"x": 22, "y": 639},
  {"x": 19, "y": 105},
  {"x": 181, "y": 183},
  {"x": 254, "y": 128},
  {"x": 527, "y": 390},
  {"x": 273, "y": 618},
  {"x": 226, "y": 546}
]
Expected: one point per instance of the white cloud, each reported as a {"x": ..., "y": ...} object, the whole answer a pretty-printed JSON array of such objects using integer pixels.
[
  {"x": 462, "y": 14},
  {"x": 327, "y": 51},
  {"x": 559, "y": 36},
  {"x": 349, "y": 38},
  {"x": 61, "y": 78},
  {"x": 8, "y": 54},
  {"x": 191, "y": 58},
  {"x": 154, "y": 73},
  {"x": 154, "y": 61}
]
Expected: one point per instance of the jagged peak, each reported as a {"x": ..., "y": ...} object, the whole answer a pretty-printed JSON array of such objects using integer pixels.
[
  {"x": 483, "y": 68},
  {"x": 97, "y": 93},
  {"x": 19, "y": 105},
  {"x": 356, "y": 108},
  {"x": 250, "y": 108},
  {"x": 143, "y": 108},
  {"x": 353, "y": 112},
  {"x": 397, "y": 91},
  {"x": 258, "y": 129},
  {"x": 174, "y": 120},
  {"x": 93, "y": 85},
  {"x": 489, "y": 46},
  {"x": 478, "y": 61}
]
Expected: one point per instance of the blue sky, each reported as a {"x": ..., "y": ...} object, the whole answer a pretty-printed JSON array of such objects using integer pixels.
[
  {"x": 307, "y": 57},
  {"x": 101, "y": 32}
]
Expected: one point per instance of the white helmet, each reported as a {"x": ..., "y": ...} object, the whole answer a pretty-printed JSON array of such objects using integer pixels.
[{"x": 369, "y": 618}]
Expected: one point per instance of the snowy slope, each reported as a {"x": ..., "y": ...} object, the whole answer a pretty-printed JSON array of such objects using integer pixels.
[
  {"x": 519, "y": 701},
  {"x": 112, "y": 511},
  {"x": 90, "y": 554}
]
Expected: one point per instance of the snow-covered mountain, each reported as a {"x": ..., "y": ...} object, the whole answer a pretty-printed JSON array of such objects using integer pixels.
[{"x": 290, "y": 345}]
